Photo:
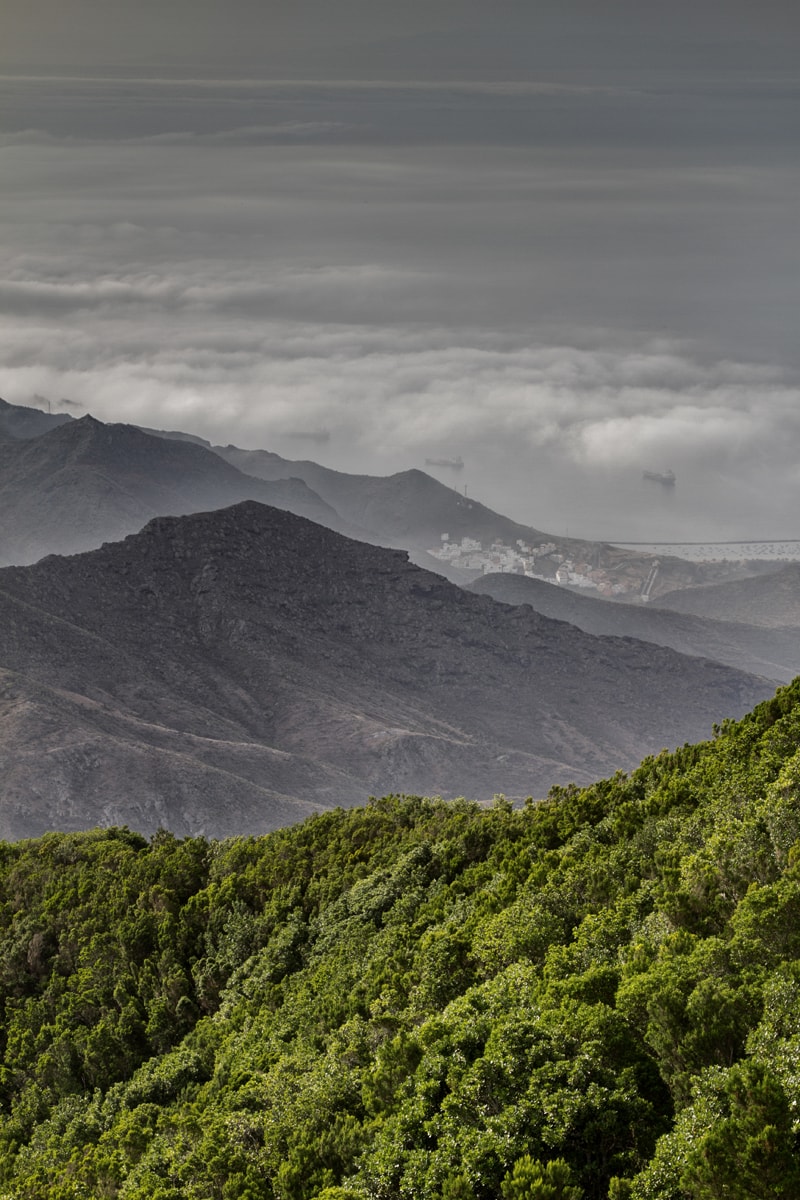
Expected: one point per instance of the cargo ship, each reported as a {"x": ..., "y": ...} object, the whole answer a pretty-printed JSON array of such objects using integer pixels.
[{"x": 665, "y": 478}]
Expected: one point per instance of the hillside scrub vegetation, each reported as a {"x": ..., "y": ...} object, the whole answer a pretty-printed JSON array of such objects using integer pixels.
[{"x": 596, "y": 996}]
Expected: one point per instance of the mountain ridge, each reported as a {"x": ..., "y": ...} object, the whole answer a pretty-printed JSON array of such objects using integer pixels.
[
  {"x": 414, "y": 510},
  {"x": 770, "y": 651},
  {"x": 84, "y": 482},
  {"x": 313, "y": 666},
  {"x": 58, "y": 499}
]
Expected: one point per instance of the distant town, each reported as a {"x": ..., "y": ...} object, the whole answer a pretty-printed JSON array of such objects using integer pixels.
[
  {"x": 544, "y": 561},
  {"x": 642, "y": 578}
]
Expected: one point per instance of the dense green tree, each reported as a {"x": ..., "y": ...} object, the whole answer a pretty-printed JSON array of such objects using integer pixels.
[
  {"x": 594, "y": 995},
  {"x": 753, "y": 1152},
  {"x": 534, "y": 1180}
]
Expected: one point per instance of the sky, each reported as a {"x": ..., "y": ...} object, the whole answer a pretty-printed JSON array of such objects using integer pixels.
[{"x": 559, "y": 241}]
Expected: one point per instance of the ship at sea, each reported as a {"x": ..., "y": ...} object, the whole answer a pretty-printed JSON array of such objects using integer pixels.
[
  {"x": 455, "y": 464},
  {"x": 665, "y": 478}
]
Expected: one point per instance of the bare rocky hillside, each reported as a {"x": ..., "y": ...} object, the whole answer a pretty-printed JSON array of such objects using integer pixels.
[{"x": 230, "y": 671}]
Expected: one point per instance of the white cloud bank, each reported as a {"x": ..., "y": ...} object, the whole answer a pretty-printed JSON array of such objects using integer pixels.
[{"x": 392, "y": 396}]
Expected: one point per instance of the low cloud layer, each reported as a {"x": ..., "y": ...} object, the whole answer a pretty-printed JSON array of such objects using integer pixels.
[{"x": 563, "y": 320}]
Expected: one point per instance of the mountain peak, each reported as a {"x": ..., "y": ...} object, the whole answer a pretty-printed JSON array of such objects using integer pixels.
[{"x": 223, "y": 669}]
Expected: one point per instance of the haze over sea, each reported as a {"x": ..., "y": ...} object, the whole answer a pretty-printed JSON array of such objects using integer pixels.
[{"x": 561, "y": 245}]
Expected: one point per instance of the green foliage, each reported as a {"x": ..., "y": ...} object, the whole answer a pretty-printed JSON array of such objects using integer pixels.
[
  {"x": 457, "y": 1187},
  {"x": 752, "y": 1152},
  {"x": 596, "y": 996},
  {"x": 533, "y": 1180}
]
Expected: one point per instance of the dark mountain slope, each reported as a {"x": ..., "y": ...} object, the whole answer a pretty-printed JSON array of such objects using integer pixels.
[
  {"x": 222, "y": 672},
  {"x": 770, "y": 600},
  {"x": 84, "y": 483},
  {"x": 774, "y": 653}
]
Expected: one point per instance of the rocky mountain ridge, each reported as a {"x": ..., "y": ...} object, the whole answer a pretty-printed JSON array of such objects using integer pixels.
[{"x": 230, "y": 671}]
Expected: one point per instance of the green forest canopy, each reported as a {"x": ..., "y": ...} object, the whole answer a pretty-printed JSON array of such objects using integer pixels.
[{"x": 594, "y": 996}]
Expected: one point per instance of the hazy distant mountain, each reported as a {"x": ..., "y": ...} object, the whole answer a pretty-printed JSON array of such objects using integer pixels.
[
  {"x": 66, "y": 486},
  {"x": 771, "y": 600},
  {"x": 412, "y": 509},
  {"x": 227, "y": 671},
  {"x": 20, "y": 422},
  {"x": 408, "y": 505},
  {"x": 409, "y": 508},
  {"x": 84, "y": 483},
  {"x": 774, "y": 653},
  {"x": 57, "y": 501}
]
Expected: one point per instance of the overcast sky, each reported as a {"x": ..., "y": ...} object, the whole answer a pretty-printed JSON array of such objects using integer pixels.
[{"x": 558, "y": 240}]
